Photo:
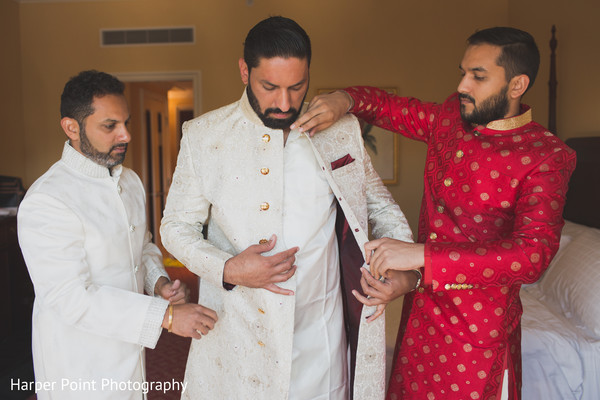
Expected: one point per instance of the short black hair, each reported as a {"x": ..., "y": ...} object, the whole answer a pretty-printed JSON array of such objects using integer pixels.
[
  {"x": 520, "y": 54},
  {"x": 79, "y": 92},
  {"x": 276, "y": 37}
]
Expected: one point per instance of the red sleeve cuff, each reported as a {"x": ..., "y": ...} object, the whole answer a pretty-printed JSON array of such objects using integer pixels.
[{"x": 427, "y": 276}]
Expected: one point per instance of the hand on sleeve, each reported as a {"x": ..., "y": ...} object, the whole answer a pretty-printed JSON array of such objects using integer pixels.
[
  {"x": 390, "y": 254},
  {"x": 380, "y": 293}
]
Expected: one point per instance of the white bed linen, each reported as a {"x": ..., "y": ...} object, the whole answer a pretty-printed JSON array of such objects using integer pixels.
[{"x": 560, "y": 362}]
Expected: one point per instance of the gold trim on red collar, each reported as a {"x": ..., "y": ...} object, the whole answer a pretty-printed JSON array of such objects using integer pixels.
[{"x": 508, "y": 124}]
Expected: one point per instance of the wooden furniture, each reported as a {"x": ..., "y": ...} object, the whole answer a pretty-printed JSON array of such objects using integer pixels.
[
  {"x": 552, "y": 83},
  {"x": 17, "y": 289},
  {"x": 16, "y": 303},
  {"x": 583, "y": 197}
]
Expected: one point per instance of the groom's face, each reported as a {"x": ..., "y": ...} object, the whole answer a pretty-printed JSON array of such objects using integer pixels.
[{"x": 276, "y": 89}]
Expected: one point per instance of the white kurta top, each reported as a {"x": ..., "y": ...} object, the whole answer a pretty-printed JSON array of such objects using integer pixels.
[
  {"x": 230, "y": 179},
  {"x": 319, "y": 363},
  {"x": 83, "y": 235}
]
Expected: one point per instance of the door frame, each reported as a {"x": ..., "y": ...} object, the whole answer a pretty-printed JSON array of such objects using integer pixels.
[
  {"x": 194, "y": 76},
  {"x": 137, "y": 76}
]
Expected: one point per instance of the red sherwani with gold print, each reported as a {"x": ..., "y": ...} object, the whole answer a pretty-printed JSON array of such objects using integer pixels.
[{"x": 490, "y": 219}]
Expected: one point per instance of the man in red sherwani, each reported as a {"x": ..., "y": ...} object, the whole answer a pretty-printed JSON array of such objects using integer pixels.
[{"x": 491, "y": 216}]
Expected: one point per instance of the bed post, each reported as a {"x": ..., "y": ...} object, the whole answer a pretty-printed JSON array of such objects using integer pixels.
[{"x": 552, "y": 83}]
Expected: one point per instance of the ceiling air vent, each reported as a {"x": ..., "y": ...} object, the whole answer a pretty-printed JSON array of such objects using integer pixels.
[{"x": 131, "y": 37}]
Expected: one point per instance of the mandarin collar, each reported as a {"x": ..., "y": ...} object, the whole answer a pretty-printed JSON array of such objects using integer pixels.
[
  {"x": 77, "y": 161},
  {"x": 506, "y": 126}
]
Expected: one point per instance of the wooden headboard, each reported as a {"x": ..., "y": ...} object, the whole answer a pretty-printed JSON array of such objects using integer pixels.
[{"x": 583, "y": 197}]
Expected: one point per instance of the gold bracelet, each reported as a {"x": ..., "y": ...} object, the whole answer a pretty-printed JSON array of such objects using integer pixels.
[
  {"x": 170, "y": 329},
  {"x": 419, "y": 278}
]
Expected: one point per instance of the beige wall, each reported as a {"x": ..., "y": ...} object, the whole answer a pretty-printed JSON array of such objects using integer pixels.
[
  {"x": 12, "y": 131},
  {"x": 578, "y": 61}
]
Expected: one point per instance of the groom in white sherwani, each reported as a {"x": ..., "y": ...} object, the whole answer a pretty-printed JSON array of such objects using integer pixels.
[{"x": 287, "y": 217}]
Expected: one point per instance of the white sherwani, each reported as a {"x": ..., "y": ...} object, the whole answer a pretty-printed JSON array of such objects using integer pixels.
[
  {"x": 230, "y": 176},
  {"x": 84, "y": 239}
]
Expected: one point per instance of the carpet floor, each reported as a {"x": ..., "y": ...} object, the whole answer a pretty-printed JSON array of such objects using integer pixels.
[{"x": 166, "y": 362}]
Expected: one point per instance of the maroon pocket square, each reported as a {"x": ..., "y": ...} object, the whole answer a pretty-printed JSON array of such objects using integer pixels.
[{"x": 347, "y": 159}]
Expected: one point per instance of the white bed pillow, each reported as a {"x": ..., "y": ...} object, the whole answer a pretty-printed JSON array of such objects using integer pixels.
[{"x": 572, "y": 282}]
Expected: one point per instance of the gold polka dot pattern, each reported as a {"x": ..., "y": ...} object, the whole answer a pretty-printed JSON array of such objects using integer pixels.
[{"x": 490, "y": 220}]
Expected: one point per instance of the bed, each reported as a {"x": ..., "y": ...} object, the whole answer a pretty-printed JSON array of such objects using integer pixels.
[
  {"x": 561, "y": 312},
  {"x": 561, "y": 322}
]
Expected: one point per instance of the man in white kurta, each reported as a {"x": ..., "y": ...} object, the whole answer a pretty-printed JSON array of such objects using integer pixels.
[
  {"x": 82, "y": 230},
  {"x": 90, "y": 257},
  {"x": 286, "y": 219}
]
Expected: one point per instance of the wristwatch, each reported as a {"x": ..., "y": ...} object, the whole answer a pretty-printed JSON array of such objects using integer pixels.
[{"x": 419, "y": 278}]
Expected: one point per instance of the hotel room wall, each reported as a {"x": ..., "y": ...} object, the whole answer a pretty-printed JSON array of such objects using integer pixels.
[
  {"x": 577, "y": 59},
  {"x": 12, "y": 148}
]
